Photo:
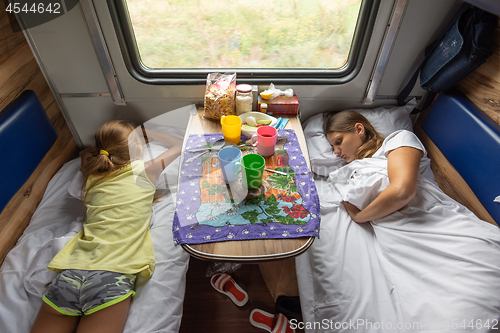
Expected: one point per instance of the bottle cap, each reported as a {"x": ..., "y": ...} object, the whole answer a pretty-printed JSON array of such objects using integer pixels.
[{"x": 244, "y": 88}]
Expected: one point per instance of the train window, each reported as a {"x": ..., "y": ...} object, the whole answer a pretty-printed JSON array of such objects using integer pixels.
[{"x": 299, "y": 41}]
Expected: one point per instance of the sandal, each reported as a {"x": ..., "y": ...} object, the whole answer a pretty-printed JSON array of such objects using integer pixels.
[
  {"x": 225, "y": 284},
  {"x": 270, "y": 322}
]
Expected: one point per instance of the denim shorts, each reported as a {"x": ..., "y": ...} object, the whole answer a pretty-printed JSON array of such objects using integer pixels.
[{"x": 77, "y": 292}]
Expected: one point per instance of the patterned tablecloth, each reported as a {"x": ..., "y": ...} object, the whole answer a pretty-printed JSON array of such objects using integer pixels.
[{"x": 209, "y": 210}]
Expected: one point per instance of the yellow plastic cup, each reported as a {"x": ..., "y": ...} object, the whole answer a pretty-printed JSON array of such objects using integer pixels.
[{"x": 231, "y": 128}]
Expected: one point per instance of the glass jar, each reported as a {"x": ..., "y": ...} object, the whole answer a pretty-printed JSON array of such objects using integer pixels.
[{"x": 244, "y": 98}]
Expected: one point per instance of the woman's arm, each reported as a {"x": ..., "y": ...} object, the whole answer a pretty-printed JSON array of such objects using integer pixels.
[
  {"x": 155, "y": 166},
  {"x": 402, "y": 167}
]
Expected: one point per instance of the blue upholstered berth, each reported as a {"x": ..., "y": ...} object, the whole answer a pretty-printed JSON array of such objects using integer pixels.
[
  {"x": 26, "y": 135},
  {"x": 470, "y": 140}
]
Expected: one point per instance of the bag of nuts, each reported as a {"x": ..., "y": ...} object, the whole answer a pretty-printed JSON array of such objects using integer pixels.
[{"x": 219, "y": 95}]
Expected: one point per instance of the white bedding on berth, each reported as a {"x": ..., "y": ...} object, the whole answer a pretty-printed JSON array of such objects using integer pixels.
[
  {"x": 157, "y": 306},
  {"x": 430, "y": 267}
]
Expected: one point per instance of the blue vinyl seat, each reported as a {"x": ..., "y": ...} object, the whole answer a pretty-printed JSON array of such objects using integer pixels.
[
  {"x": 26, "y": 134},
  {"x": 470, "y": 140}
]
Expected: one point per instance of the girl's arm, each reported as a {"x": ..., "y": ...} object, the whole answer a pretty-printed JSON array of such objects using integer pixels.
[
  {"x": 167, "y": 140},
  {"x": 402, "y": 167},
  {"x": 155, "y": 166}
]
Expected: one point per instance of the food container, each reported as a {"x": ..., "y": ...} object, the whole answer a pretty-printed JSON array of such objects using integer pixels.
[
  {"x": 258, "y": 116},
  {"x": 244, "y": 98},
  {"x": 280, "y": 105},
  {"x": 219, "y": 95}
]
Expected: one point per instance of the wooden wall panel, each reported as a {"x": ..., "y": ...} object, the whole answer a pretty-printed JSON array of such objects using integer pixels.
[
  {"x": 482, "y": 86},
  {"x": 19, "y": 71}
]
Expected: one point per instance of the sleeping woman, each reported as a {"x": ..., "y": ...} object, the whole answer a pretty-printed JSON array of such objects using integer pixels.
[
  {"x": 353, "y": 137},
  {"x": 412, "y": 254}
]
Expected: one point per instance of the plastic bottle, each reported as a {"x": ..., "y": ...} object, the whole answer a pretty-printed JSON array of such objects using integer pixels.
[{"x": 263, "y": 107}]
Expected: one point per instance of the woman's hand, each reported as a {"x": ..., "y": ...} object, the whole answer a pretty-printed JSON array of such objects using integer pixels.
[{"x": 352, "y": 211}]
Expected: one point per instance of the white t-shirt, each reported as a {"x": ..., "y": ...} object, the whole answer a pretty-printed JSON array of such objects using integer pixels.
[{"x": 404, "y": 138}]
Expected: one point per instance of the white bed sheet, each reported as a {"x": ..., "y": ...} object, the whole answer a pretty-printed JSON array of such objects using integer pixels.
[
  {"x": 157, "y": 306},
  {"x": 408, "y": 272}
]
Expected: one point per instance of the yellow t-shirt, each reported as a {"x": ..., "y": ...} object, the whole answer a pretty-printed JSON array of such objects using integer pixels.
[{"x": 115, "y": 235}]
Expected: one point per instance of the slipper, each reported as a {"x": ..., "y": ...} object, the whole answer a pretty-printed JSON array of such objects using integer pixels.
[
  {"x": 224, "y": 284},
  {"x": 270, "y": 322}
]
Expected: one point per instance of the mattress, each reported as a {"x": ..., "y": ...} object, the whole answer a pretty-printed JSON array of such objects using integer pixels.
[{"x": 430, "y": 267}]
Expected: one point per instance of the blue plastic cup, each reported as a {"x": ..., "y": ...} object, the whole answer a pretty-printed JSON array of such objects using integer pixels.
[{"x": 228, "y": 157}]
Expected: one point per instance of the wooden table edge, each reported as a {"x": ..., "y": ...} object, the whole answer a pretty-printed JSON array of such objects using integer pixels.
[{"x": 251, "y": 258}]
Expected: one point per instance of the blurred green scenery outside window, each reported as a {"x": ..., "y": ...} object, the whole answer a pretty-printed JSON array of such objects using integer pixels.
[{"x": 260, "y": 34}]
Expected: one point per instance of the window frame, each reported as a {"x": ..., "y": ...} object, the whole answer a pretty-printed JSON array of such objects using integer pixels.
[{"x": 196, "y": 76}]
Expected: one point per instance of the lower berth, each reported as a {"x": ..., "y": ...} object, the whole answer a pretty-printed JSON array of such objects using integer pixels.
[
  {"x": 432, "y": 266},
  {"x": 157, "y": 305},
  {"x": 412, "y": 276}
]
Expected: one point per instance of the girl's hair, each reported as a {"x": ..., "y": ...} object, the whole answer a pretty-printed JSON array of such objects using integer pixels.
[
  {"x": 345, "y": 121},
  {"x": 112, "y": 145}
]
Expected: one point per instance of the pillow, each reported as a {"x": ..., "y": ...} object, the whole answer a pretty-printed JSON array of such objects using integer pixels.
[
  {"x": 385, "y": 119},
  {"x": 75, "y": 188}
]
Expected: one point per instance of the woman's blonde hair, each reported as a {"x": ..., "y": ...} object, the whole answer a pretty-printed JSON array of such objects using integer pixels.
[
  {"x": 112, "y": 145},
  {"x": 345, "y": 121}
]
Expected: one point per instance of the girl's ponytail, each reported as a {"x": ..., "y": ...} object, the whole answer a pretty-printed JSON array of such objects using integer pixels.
[{"x": 112, "y": 144}]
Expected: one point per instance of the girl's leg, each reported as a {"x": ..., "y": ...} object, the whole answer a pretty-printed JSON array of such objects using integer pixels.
[
  {"x": 49, "y": 320},
  {"x": 108, "y": 320}
]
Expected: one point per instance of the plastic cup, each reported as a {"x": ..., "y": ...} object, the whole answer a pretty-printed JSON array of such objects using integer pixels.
[
  {"x": 265, "y": 140},
  {"x": 252, "y": 170},
  {"x": 231, "y": 128},
  {"x": 228, "y": 157}
]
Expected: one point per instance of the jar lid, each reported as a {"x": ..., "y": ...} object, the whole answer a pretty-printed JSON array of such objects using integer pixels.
[{"x": 244, "y": 88}]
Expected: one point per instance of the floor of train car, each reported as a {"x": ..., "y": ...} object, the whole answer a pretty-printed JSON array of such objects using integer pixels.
[{"x": 206, "y": 310}]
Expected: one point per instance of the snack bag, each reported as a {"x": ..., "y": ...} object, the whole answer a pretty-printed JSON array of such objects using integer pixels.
[{"x": 219, "y": 95}]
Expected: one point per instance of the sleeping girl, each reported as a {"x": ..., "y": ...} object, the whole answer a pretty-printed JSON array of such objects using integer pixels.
[{"x": 98, "y": 267}]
